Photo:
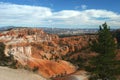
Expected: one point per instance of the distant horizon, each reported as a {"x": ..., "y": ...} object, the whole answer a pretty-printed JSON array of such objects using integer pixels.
[{"x": 54, "y": 27}]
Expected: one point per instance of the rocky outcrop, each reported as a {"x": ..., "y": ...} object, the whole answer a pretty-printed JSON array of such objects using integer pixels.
[
  {"x": 24, "y": 35},
  {"x": 46, "y": 53},
  {"x": 35, "y": 48}
]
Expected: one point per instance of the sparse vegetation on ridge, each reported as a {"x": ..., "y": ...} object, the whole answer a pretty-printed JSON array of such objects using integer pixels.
[{"x": 4, "y": 60}]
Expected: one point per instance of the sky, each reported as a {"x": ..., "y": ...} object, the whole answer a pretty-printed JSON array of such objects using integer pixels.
[{"x": 60, "y": 13}]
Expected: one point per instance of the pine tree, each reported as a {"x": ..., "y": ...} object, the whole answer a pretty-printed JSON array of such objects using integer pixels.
[
  {"x": 104, "y": 66},
  {"x": 2, "y": 47}
]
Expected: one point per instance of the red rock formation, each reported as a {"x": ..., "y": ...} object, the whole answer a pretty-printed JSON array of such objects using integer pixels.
[{"x": 35, "y": 48}]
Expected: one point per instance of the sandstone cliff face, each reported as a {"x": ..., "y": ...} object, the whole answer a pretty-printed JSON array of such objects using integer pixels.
[
  {"x": 36, "y": 49},
  {"x": 21, "y": 53},
  {"x": 25, "y": 35}
]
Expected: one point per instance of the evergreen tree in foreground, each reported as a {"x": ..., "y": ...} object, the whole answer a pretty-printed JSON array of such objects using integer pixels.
[{"x": 104, "y": 66}]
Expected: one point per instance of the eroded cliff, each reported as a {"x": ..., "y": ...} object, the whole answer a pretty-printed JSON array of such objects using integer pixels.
[{"x": 46, "y": 53}]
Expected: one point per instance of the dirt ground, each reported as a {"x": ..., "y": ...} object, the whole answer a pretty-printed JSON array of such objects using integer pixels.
[{"x": 18, "y": 74}]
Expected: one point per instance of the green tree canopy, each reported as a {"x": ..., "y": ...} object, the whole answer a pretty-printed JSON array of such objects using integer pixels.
[
  {"x": 2, "y": 47},
  {"x": 104, "y": 66}
]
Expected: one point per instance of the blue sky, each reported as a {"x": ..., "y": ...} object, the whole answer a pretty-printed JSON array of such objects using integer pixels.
[{"x": 60, "y": 13}]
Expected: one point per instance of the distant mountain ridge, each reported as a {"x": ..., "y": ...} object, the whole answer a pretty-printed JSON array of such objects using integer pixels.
[
  {"x": 58, "y": 31},
  {"x": 6, "y": 28}
]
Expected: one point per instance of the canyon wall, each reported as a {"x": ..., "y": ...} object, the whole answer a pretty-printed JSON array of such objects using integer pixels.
[
  {"x": 46, "y": 53},
  {"x": 35, "y": 48}
]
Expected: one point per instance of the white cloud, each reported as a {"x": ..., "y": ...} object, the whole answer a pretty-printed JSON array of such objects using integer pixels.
[
  {"x": 25, "y": 15},
  {"x": 22, "y": 14},
  {"x": 84, "y": 6},
  {"x": 65, "y": 14}
]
